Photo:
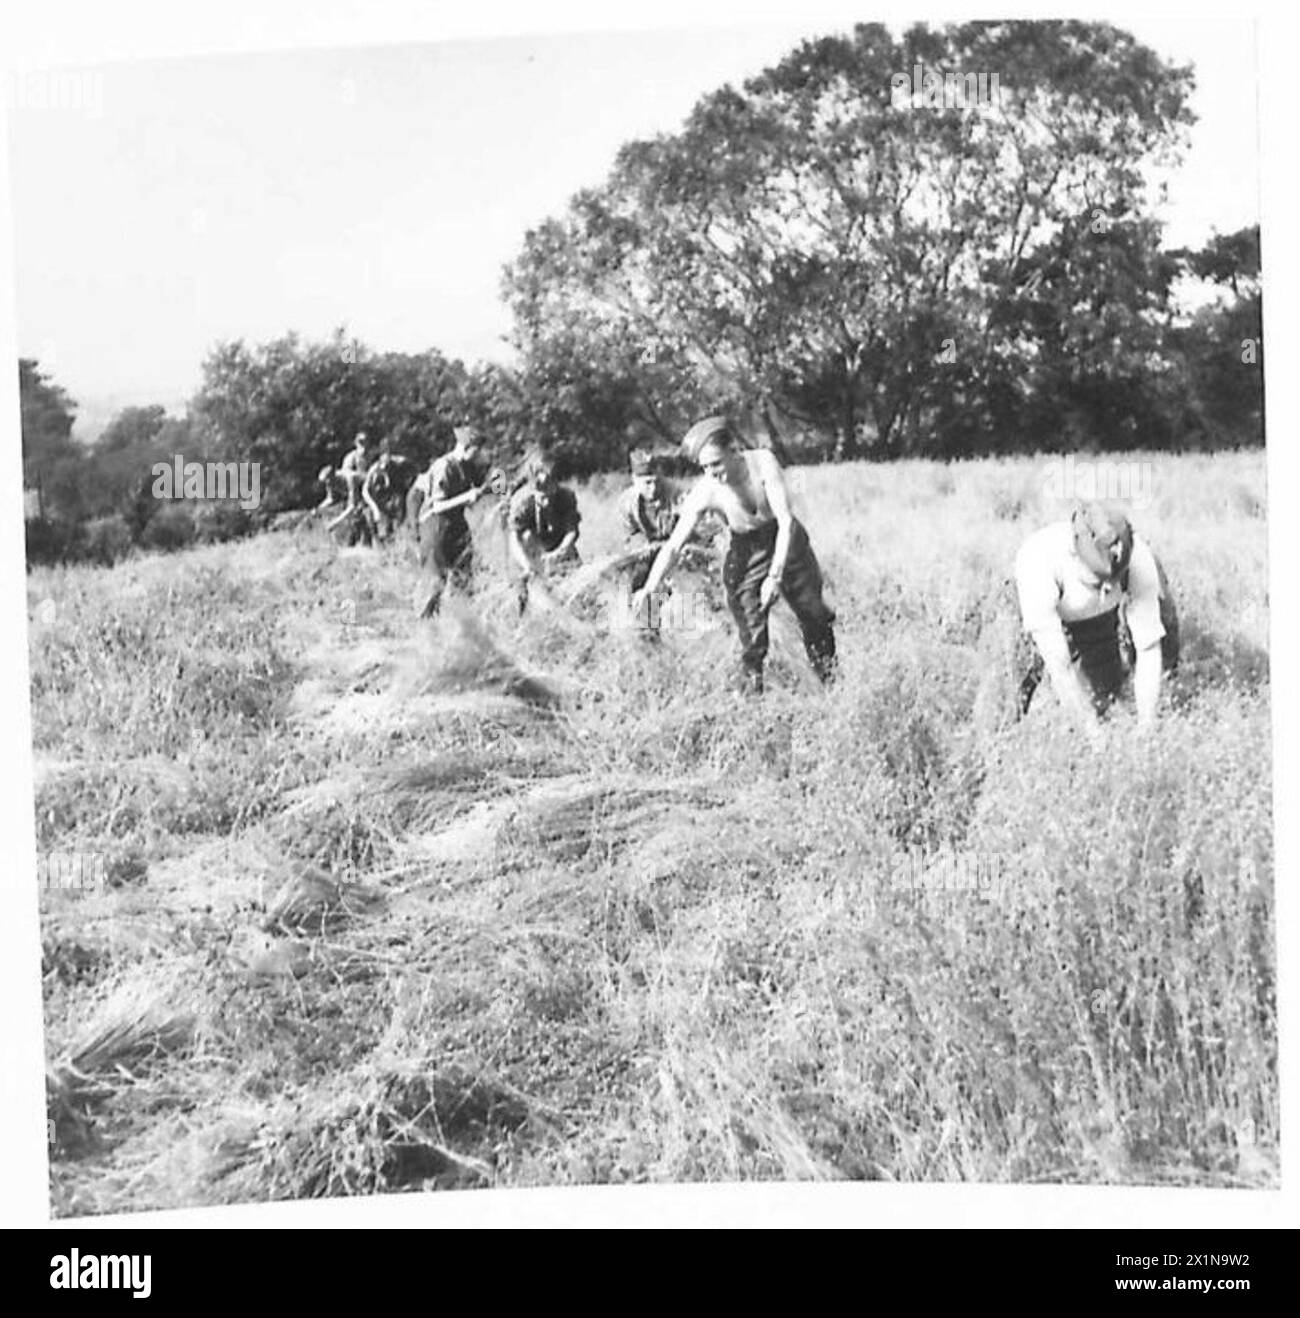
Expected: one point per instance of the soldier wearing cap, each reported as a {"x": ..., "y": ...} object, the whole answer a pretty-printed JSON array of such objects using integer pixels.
[
  {"x": 543, "y": 525},
  {"x": 1094, "y": 599},
  {"x": 436, "y": 505},
  {"x": 384, "y": 491},
  {"x": 768, "y": 552},
  {"x": 645, "y": 511}
]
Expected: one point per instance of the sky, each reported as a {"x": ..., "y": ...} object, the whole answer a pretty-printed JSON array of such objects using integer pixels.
[{"x": 161, "y": 206}]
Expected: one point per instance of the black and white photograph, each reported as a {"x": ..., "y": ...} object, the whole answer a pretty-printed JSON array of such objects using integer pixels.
[{"x": 643, "y": 605}]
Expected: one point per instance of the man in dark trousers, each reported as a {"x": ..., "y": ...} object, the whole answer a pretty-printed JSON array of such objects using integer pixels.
[
  {"x": 1095, "y": 601},
  {"x": 768, "y": 552},
  {"x": 436, "y": 507}
]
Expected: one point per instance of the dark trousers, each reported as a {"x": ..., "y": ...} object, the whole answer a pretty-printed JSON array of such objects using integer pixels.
[
  {"x": 446, "y": 557},
  {"x": 748, "y": 562},
  {"x": 1104, "y": 652}
]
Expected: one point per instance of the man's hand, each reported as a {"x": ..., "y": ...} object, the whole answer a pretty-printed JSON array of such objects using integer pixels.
[{"x": 768, "y": 592}]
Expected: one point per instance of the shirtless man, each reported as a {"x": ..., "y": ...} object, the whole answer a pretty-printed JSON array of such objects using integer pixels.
[
  {"x": 768, "y": 553},
  {"x": 356, "y": 463},
  {"x": 1095, "y": 602}
]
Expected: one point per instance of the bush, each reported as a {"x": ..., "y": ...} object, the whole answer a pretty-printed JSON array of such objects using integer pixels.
[
  {"x": 52, "y": 540},
  {"x": 107, "y": 539},
  {"x": 171, "y": 527},
  {"x": 215, "y": 523}
]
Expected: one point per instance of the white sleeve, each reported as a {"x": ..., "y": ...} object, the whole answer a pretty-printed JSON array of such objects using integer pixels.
[
  {"x": 1143, "y": 606},
  {"x": 1038, "y": 592}
]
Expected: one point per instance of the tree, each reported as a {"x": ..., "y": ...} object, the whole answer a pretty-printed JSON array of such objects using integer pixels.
[
  {"x": 119, "y": 465},
  {"x": 52, "y": 459},
  {"x": 1220, "y": 352},
  {"x": 131, "y": 427},
  {"x": 294, "y": 406},
  {"x": 843, "y": 256}
]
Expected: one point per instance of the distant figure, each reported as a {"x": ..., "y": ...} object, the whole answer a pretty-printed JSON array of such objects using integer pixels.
[
  {"x": 356, "y": 463},
  {"x": 332, "y": 484},
  {"x": 543, "y": 526},
  {"x": 384, "y": 492},
  {"x": 1095, "y": 601},
  {"x": 768, "y": 552},
  {"x": 436, "y": 505}
]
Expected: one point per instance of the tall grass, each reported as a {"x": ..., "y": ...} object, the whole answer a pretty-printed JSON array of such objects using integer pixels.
[{"x": 589, "y": 917}]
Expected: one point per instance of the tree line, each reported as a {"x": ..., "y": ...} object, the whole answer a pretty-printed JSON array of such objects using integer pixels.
[{"x": 848, "y": 272}]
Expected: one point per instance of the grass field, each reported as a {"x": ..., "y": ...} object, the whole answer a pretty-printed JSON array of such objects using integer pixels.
[{"x": 389, "y": 907}]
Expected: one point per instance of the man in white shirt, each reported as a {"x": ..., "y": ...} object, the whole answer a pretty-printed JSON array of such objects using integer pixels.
[{"x": 1095, "y": 601}]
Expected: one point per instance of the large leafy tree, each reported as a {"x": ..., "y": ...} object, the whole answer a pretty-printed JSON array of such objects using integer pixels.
[
  {"x": 118, "y": 473},
  {"x": 295, "y": 406},
  {"x": 842, "y": 257}
]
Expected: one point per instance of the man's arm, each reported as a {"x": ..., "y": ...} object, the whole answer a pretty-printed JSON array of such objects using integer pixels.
[
  {"x": 1066, "y": 680},
  {"x": 564, "y": 546},
  {"x": 439, "y": 502},
  {"x": 436, "y": 506},
  {"x": 1148, "y": 678},
  {"x": 778, "y": 499},
  {"x": 692, "y": 509},
  {"x": 1142, "y": 613},
  {"x": 1038, "y": 593}
]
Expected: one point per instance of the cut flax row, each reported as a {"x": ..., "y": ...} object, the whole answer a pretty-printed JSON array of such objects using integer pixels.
[
  {"x": 135, "y": 1028},
  {"x": 461, "y": 656},
  {"x": 564, "y": 819}
]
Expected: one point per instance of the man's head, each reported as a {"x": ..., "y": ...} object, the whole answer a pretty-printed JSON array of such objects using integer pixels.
[
  {"x": 541, "y": 471},
  {"x": 712, "y": 444},
  {"x": 1103, "y": 538},
  {"x": 643, "y": 473},
  {"x": 326, "y": 474},
  {"x": 362, "y": 442},
  {"x": 469, "y": 441}
]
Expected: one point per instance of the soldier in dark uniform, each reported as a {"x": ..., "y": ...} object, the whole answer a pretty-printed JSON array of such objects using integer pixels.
[
  {"x": 436, "y": 507},
  {"x": 543, "y": 524}
]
